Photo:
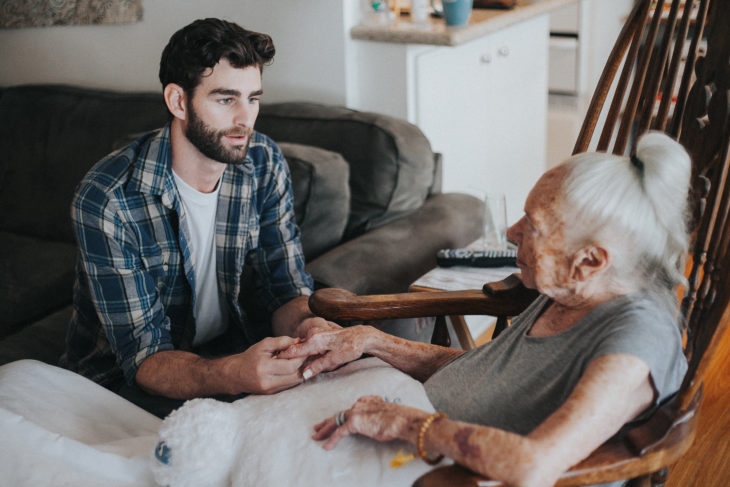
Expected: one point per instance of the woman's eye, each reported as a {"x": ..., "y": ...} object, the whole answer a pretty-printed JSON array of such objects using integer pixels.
[{"x": 531, "y": 227}]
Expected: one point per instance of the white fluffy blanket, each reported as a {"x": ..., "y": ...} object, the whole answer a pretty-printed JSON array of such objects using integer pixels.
[{"x": 59, "y": 428}]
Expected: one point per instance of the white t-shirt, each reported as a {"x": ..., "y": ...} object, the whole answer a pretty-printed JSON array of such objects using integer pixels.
[{"x": 200, "y": 209}]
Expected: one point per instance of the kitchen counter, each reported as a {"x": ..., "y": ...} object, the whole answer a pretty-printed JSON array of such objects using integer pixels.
[{"x": 435, "y": 31}]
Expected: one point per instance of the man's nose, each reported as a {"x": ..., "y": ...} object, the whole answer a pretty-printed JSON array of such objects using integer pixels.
[{"x": 246, "y": 115}]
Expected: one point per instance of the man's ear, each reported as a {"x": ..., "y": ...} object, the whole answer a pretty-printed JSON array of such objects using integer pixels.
[
  {"x": 589, "y": 261},
  {"x": 175, "y": 99}
]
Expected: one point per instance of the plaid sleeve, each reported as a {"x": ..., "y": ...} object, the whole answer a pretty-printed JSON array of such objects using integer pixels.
[
  {"x": 123, "y": 293},
  {"x": 279, "y": 259}
]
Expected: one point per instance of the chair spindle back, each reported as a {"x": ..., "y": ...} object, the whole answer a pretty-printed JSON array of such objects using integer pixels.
[{"x": 674, "y": 62}]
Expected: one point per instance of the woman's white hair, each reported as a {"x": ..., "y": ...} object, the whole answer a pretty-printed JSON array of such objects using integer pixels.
[{"x": 636, "y": 207}]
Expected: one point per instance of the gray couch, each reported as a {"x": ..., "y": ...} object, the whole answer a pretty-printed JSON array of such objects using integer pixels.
[{"x": 366, "y": 189}]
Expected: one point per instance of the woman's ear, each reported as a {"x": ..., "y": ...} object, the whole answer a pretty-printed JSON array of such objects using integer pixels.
[
  {"x": 589, "y": 262},
  {"x": 175, "y": 100}
]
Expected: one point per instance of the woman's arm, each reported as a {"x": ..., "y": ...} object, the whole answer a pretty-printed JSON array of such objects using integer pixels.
[
  {"x": 337, "y": 347},
  {"x": 613, "y": 390}
]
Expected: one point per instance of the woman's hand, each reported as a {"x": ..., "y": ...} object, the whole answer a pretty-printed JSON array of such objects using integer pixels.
[
  {"x": 312, "y": 325},
  {"x": 375, "y": 418},
  {"x": 330, "y": 349}
]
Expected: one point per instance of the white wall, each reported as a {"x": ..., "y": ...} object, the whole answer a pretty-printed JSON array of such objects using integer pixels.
[
  {"x": 311, "y": 39},
  {"x": 604, "y": 23}
]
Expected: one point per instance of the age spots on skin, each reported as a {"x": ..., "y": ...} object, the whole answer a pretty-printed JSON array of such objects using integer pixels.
[{"x": 461, "y": 438}]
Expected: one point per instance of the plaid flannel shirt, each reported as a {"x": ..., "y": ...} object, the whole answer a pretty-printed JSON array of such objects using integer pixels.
[{"x": 134, "y": 290}]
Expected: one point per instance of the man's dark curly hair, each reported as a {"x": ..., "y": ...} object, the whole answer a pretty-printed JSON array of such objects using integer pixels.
[{"x": 201, "y": 44}]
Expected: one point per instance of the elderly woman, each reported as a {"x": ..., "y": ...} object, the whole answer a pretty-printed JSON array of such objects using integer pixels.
[{"x": 602, "y": 239}]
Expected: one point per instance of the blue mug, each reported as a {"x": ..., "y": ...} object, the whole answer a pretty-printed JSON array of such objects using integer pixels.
[{"x": 456, "y": 12}]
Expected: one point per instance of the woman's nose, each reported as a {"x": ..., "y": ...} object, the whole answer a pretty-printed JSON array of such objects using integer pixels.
[{"x": 513, "y": 233}]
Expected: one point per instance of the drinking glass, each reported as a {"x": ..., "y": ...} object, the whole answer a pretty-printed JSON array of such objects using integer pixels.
[{"x": 495, "y": 222}]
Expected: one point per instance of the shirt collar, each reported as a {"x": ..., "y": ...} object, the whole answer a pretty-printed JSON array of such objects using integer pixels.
[{"x": 152, "y": 173}]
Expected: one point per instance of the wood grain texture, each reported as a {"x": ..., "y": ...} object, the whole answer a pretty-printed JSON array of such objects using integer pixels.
[{"x": 707, "y": 462}]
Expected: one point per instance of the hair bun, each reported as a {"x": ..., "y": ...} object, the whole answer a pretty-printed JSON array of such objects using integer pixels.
[
  {"x": 665, "y": 179},
  {"x": 666, "y": 169}
]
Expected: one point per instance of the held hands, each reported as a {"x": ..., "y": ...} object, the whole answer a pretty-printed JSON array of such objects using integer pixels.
[
  {"x": 260, "y": 369},
  {"x": 327, "y": 350},
  {"x": 268, "y": 367}
]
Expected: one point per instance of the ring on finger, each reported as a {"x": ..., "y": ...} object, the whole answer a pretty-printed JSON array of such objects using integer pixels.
[{"x": 340, "y": 418}]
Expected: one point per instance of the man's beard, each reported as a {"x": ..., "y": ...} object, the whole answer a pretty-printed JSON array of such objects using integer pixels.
[{"x": 210, "y": 141}]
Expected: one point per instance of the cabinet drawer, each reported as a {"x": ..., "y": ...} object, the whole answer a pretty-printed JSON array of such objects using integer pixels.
[{"x": 563, "y": 65}]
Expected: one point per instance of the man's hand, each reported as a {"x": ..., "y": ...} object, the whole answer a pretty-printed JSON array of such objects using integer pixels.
[{"x": 261, "y": 370}]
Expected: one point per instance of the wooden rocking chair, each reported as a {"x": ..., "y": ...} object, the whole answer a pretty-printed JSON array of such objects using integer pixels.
[{"x": 674, "y": 62}]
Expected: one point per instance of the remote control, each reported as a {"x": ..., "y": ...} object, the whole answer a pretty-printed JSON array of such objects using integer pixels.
[{"x": 476, "y": 258}]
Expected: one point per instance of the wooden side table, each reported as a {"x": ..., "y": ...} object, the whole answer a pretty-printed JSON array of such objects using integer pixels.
[{"x": 459, "y": 278}]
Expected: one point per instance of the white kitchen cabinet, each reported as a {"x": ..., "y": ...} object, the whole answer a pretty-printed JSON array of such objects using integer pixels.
[{"x": 482, "y": 104}]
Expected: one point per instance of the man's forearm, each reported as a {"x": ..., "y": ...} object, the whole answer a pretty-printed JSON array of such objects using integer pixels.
[
  {"x": 258, "y": 370},
  {"x": 183, "y": 375}
]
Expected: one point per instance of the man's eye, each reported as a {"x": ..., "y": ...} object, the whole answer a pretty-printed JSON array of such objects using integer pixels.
[
  {"x": 225, "y": 101},
  {"x": 253, "y": 100}
]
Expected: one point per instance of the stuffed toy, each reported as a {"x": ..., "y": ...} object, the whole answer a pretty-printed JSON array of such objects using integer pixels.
[{"x": 266, "y": 440}]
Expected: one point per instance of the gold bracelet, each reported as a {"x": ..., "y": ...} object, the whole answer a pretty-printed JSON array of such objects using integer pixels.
[{"x": 421, "y": 436}]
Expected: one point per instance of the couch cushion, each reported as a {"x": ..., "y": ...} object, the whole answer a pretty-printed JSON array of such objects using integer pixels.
[
  {"x": 49, "y": 137},
  {"x": 44, "y": 340},
  {"x": 37, "y": 278},
  {"x": 390, "y": 258},
  {"x": 391, "y": 162},
  {"x": 321, "y": 195}
]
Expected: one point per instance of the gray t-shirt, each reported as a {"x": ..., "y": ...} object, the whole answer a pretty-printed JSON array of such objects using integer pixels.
[{"x": 516, "y": 381}]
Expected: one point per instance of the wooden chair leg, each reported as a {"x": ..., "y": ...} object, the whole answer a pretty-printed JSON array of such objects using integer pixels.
[
  {"x": 659, "y": 478},
  {"x": 458, "y": 323},
  {"x": 440, "y": 334},
  {"x": 643, "y": 481},
  {"x": 500, "y": 326}
]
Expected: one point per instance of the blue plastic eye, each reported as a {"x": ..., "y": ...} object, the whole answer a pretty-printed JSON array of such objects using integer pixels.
[{"x": 162, "y": 453}]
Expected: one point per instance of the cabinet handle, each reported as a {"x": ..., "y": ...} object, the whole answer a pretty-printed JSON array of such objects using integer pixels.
[
  {"x": 485, "y": 58},
  {"x": 503, "y": 51}
]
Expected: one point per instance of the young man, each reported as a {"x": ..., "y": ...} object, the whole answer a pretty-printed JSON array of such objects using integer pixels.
[{"x": 166, "y": 226}]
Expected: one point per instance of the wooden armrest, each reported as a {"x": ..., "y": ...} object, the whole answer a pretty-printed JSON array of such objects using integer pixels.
[{"x": 505, "y": 298}]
